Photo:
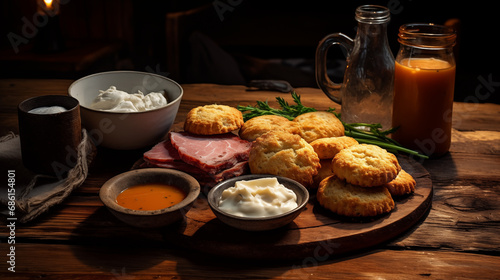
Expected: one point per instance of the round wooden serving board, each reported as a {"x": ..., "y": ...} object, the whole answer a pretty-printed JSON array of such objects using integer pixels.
[{"x": 316, "y": 232}]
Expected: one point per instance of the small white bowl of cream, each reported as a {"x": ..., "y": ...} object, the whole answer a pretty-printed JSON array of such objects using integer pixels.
[{"x": 258, "y": 202}]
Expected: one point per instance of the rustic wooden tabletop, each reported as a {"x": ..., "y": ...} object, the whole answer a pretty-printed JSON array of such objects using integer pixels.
[{"x": 457, "y": 238}]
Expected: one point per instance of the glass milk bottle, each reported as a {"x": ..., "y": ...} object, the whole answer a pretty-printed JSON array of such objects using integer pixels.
[
  {"x": 367, "y": 90},
  {"x": 423, "y": 88}
]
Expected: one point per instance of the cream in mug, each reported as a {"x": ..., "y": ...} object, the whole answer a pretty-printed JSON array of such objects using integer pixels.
[
  {"x": 258, "y": 198},
  {"x": 48, "y": 110}
]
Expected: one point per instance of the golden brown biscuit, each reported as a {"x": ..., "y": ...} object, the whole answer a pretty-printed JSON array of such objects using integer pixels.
[
  {"x": 257, "y": 126},
  {"x": 365, "y": 165},
  {"x": 213, "y": 119},
  {"x": 350, "y": 200},
  {"x": 320, "y": 124},
  {"x": 324, "y": 171},
  {"x": 284, "y": 154},
  {"x": 402, "y": 184},
  {"x": 327, "y": 148}
]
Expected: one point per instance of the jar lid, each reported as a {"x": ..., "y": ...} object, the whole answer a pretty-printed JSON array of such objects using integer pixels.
[
  {"x": 427, "y": 35},
  {"x": 372, "y": 14}
]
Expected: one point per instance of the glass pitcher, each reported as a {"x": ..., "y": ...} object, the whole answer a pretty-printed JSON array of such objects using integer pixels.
[{"x": 367, "y": 90}]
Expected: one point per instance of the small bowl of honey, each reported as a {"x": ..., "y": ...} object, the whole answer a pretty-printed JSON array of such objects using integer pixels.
[{"x": 150, "y": 197}]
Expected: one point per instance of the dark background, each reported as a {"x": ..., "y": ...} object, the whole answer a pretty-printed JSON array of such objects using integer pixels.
[{"x": 233, "y": 42}]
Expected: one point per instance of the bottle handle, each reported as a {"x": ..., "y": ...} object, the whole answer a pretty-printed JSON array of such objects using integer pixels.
[{"x": 331, "y": 89}]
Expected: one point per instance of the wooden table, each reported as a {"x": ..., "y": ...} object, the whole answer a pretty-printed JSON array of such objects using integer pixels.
[{"x": 459, "y": 238}]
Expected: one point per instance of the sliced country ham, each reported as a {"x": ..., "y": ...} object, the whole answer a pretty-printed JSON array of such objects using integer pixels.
[
  {"x": 213, "y": 153},
  {"x": 163, "y": 152},
  {"x": 238, "y": 169},
  {"x": 209, "y": 159}
]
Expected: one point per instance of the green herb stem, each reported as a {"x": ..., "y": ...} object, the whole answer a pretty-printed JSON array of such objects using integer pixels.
[
  {"x": 360, "y": 135},
  {"x": 391, "y": 147}
]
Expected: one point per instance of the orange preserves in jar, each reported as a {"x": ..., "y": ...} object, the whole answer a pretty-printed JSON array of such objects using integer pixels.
[{"x": 423, "y": 101}]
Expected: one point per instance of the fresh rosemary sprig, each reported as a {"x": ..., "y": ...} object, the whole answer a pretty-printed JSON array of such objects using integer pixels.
[
  {"x": 374, "y": 135},
  {"x": 288, "y": 111}
]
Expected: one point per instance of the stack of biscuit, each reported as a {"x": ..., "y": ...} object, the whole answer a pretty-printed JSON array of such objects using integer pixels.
[
  {"x": 326, "y": 149},
  {"x": 282, "y": 147},
  {"x": 365, "y": 179}
]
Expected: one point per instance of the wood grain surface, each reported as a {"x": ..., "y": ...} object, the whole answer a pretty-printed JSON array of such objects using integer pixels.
[{"x": 79, "y": 239}]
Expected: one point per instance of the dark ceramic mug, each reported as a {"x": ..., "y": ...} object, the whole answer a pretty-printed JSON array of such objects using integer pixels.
[{"x": 49, "y": 142}]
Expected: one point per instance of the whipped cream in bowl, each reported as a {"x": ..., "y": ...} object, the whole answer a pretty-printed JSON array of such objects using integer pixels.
[
  {"x": 114, "y": 100},
  {"x": 258, "y": 202},
  {"x": 262, "y": 197}
]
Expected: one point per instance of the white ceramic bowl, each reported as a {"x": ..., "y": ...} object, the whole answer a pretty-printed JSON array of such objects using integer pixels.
[{"x": 126, "y": 131}]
